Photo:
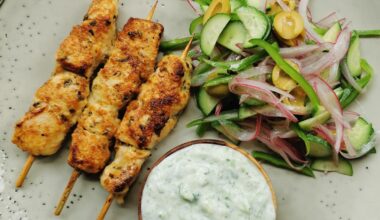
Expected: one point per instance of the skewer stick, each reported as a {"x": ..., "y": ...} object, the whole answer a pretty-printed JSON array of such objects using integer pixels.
[
  {"x": 105, "y": 207},
  {"x": 109, "y": 199},
  {"x": 152, "y": 10},
  {"x": 25, "y": 170},
  {"x": 187, "y": 49},
  {"x": 62, "y": 201}
]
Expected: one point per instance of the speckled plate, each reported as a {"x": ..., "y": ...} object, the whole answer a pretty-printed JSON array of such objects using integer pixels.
[{"x": 30, "y": 32}]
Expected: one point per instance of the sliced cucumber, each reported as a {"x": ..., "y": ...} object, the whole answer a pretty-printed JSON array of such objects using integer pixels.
[
  {"x": 255, "y": 21},
  {"x": 320, "y": 118},
  {"x": 246, "y": 112},
  {"x": 353, "y": 56},
  {"x": 234, "y": 34},
  {"x": 217, "y": 126},
  {"x": 253, "y": 3},
  {"x": 254, "y": 102},
  {"x": 318, "y": 146},
  {"x": 327, "y": 165},
  {"x": 235, "y": 4},
  {"x": 332, "y": 34},
  {"x": 211, "y": 32},
  {"x": 206, "y": 102},
  {"x": 360, "y": 134}
]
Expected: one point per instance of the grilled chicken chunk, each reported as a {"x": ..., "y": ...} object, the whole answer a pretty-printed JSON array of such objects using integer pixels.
[
  {"x": 59, "y": 102},
  {"x": 89, "y": 44},
  {"x": 148, "y": 120},
  {"x": 131, "y": 61}
]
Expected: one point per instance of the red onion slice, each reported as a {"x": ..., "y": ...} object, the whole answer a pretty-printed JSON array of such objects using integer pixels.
[
  {"x": 335, "y": 55},
  {"x": 292, "y": 52},
  {"x": 328, "y": 21},
  {"x": 303, "y": 10},
  {"x": 284, "y": 6}
]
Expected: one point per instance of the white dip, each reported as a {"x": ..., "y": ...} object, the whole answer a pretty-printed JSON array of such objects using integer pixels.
[{"x": 207, "y": 181}]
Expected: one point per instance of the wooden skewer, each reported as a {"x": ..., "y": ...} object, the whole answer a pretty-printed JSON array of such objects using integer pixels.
[
  {"x": 62, "y": 201},
  {"x": 187, "y": 49},
  {"x": 152, "y": 10},
  {"x": 108, "y": 202},
  {"x": 105, "y": 207},
  {"x": 25, "y": 170}
]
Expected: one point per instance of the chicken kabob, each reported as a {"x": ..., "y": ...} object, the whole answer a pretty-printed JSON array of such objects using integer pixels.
[
  {"x": 58, "y": 103},
  {"x": 131, "y": 61},
  {"x": 147, "y": 121}
]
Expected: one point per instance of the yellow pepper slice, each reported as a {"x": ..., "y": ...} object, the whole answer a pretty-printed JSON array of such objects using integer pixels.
[
  {"x": 217, "y": 6},
  {"x": 299, "y": 97},
  {"x": 281, "y": 80},
  {"x": 288, "y": 25}
]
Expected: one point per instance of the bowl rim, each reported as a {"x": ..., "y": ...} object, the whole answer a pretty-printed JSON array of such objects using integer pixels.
[{"x": 205, "y": 141}]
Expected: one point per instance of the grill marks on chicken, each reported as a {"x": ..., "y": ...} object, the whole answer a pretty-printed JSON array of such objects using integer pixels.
[
  {"x": 132, "y": 60},
  {"x": 148, "y": 120},
  {"x": 58, "y": 104}
]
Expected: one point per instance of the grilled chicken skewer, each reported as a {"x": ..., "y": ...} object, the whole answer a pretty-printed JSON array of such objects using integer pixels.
[
  {"x": 147, "y": 121},
  {"x": 58, "y": 104},
  {"x": 131, "y": 61}
]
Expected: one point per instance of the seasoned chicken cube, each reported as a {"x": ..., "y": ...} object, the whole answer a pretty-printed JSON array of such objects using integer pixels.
[
  {"x": 89, "y": 44},
  {"x": 56, "y": 108}
]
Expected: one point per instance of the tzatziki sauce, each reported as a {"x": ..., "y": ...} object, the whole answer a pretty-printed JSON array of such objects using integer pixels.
[{"x": 207, "y": 182}]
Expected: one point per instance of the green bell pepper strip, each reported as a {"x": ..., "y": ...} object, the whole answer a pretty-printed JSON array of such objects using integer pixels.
[
  {"x": 368, "y": 33},
  {"x": 218, "y": 81},
  {"x": 279, "y": 162},
  {"x": 301, "y": 134},
  {"x": 238, "y": 65},
  {"x": 362, "y": 82},
  {"x": 227, "y": 115},
  {"x": 294, "y": 74},
  {"x": 177, "y": 44},
  {"x": 195, "y": 24}
]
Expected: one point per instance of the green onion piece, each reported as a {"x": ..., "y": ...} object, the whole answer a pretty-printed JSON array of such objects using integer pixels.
[
  {"x": 218, "y": 81},
  {"x": 238, "y": 65},
  {"x": 227, "y": 115},
  {"x": 362, "y": 82},
  {"x": 176, "y": 44},
  {"x": 368, "y": 33},
  {"x": 294, "y": 74},
  {"x": 279, "y": 162}
]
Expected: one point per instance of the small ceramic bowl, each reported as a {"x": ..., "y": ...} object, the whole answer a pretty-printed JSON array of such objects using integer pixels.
[{"x": 206, "y": 141}]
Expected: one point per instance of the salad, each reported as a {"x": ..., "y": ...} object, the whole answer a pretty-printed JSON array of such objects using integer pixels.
[{"x": 266, "y": 71}]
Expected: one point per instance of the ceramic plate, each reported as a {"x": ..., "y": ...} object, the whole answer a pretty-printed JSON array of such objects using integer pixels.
[{"x": 30, "y": 32}]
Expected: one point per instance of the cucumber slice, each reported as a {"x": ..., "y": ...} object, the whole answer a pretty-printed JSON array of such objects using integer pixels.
[
  {"x": 254, "y": 102},
  {"x": 211, "y": 32},
  {"x": 253, "y": 3},
  {"x": 318, "y": 146},
  {"x": 332, "y": 34},
  {"x": 235, "y": 4},
  {"x": 206, "y": 102},
  {"x": 255, "y": 21},
  {"x": 235, "y": 33},
  {"x": 217, "y": 126},
  {"x": 360, "y": 134},
  {"x": 246, "y": 112},
  {"x": 327, "y": 165},
  {"x": 353, "y": 56},
  {"x": 320, "y": 118}
]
